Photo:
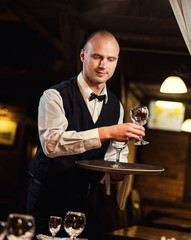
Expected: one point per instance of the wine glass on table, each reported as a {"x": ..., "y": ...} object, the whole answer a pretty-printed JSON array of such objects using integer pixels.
[
  {"x": 140, "y": 116},
  {"x": 3, "y": 226},
  {"x": 54, "y": 225},
  {"x": 20, "y": 226},
  {"x": 119, "y": 146},
  {"x": 74, "y": 223}
]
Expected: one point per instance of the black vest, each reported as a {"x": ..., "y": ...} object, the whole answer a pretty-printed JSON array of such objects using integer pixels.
[{"x": 79, "y": 119}]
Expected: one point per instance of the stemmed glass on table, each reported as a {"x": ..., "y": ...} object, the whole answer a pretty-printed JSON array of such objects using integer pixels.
[
  {"x": 3, "y": 226},
  {"x": 54, "y": 225},
  {"x": 20, "y": 226},
  {"x": 119, "y": 146},
  {"x": 74, "y": 223},
  {"x": 140, "y": 116}
]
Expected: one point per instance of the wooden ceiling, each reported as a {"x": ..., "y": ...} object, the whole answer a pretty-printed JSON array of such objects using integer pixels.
[
  {"x": 143, "y": 24},
  {"x": 45, "y": 36}
]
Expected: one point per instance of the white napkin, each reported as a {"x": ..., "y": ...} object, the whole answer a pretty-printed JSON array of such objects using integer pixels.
[
  {"x": 46, "y": 237},
  {"x": 107, "y": 181},
  {"x": 122, "y": 193}
]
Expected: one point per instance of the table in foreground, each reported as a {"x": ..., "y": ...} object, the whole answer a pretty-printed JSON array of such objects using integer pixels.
[
  {"x": 147, "y": 233},
  {"x": 173, "y": 223}
]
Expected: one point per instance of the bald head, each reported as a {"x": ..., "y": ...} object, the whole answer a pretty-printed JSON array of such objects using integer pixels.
[{"x": 100, "y": 35}]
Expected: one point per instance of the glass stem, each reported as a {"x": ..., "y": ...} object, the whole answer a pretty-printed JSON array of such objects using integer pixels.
[
  {"x": 140, "y": 139},
  {"x": 118, "y": 155}
]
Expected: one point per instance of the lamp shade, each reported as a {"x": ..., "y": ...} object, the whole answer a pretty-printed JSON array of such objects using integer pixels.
[
  {"x": 173, "y": 84},
  {"x": 186, "y": 126}
]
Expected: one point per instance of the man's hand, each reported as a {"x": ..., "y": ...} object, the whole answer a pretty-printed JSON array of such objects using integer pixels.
[{"x": 121, "y": 132}]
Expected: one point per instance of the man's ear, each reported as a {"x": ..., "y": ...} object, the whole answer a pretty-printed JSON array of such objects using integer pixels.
[{"x": 82, "y": 55}]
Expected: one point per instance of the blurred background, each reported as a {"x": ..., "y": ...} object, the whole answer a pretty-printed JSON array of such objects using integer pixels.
[{"x": 40, "y": 43}]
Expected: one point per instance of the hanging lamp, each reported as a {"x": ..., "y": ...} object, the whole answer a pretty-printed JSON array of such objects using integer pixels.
[
  {"x": 186, "y": 126},
  {"x": 173, "y": 84}
]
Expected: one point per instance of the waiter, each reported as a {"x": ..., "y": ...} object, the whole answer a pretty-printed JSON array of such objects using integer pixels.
[{"x": 77, "y": 118}]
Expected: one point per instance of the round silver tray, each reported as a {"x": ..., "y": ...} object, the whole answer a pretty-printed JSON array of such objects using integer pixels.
[{"x": 128, "y": 168}]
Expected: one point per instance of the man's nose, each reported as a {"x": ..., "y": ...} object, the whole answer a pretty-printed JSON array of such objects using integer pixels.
[{"x": 102, "y": 64}]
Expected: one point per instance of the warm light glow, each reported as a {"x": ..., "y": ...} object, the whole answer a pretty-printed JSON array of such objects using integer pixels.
[
  {"x": 186, "y": 126},
  {"x": 168, "y": 104},
  {"x": 3, "y": 111},
  {"x": 173, "y": 84},
  {"x": 34, "y": 149},
  {"x": 166, "y": 115},
  {"x": 7, "y": 131}
]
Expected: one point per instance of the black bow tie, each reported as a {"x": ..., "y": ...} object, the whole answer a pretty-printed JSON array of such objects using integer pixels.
[{"x": 99, "y": 97}]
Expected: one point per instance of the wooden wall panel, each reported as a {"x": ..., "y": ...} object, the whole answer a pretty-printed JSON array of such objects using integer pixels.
[{"x": 169, "y": 150}]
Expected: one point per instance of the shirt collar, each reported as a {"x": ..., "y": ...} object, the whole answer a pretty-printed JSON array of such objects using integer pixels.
[{"x": 86, "y": 90}]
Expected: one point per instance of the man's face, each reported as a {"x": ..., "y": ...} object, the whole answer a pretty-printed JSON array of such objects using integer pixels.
[{"x": 99, "y": 59}]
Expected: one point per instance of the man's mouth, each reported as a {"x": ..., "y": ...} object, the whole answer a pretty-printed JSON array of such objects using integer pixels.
[{"x": 101, "y": 74}]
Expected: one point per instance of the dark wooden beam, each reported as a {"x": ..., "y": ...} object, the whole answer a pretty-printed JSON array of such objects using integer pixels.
[{"x": 132, "y": 24}]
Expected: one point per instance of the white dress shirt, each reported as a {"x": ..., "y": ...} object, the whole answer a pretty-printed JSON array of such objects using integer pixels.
[{"x": 52, "y": 125}]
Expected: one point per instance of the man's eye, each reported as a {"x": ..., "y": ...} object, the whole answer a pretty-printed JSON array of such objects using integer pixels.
[
  {"x": 96, "y": 57},
  {"x": 111, "y": 59}
]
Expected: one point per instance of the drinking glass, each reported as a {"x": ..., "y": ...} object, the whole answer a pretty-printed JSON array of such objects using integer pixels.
[
  {"x": 119, "y": 146},
  {"x": 3, "y": 229},
  {"x": 140, "y": 116},
  {"x": 54, "y": 225},
  {"x": 20, "y": 226},
  {"x": 74, "y": 223}
]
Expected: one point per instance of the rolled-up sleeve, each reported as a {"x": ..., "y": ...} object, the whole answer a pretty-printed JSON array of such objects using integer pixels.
[{"x": 52, "y": 125}]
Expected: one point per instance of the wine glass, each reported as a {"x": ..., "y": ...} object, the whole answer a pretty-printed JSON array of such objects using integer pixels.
[
  {"x": 119, "y": 146},
  {"x": 54, "y": 225},
  {"x": 140, "y": 116},
  {"x": 74, "y": 223},
  {"x": 20, "y": 226},
  {"x": 3, "y": 226}
]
